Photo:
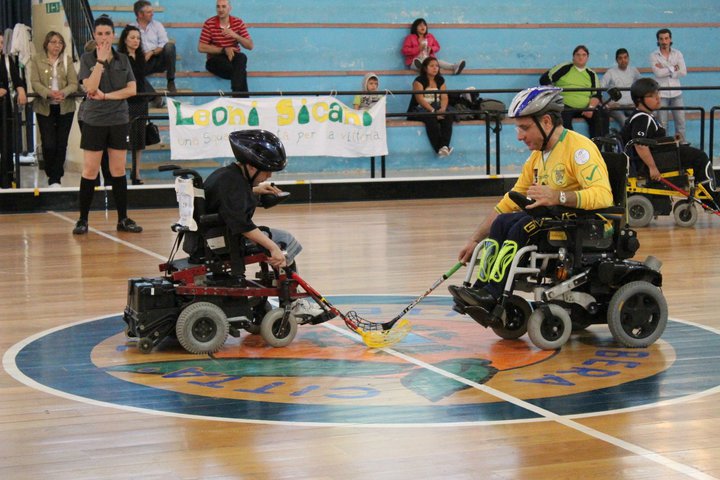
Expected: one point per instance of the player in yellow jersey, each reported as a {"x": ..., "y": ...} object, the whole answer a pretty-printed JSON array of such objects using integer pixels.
[{"x": 564, "y": 168}]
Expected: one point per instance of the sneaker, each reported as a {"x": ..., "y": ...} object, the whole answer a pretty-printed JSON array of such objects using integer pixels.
[
  {"x": 417, "y": 63},
  {"x": 55, "y": 185},
  {"x": 171, "y": 86},
  {"x": 449, "y": 151},
  {"x": 303, "y": 308},
  {"x": 443, "y": 152},
  {"x": 128, "y": 225},
  {"x": 459, "y": 68},
  {"x": 81, "y": 227}
]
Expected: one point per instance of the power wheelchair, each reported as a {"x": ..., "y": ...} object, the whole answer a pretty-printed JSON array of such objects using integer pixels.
[
  {"x": 676, "y": 194},
  {"x": 203, "y": 298},
  {"x": 579, "y": 273}
]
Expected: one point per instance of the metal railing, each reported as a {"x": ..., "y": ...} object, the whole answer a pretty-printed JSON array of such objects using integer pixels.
[{"x": 492, "y": 125}]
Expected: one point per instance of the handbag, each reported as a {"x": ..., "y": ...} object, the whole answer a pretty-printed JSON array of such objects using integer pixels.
[{"x": 152, "y": 134}]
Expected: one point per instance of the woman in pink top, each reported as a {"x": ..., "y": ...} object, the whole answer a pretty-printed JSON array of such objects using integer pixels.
[{"x": 420, "y": 44}]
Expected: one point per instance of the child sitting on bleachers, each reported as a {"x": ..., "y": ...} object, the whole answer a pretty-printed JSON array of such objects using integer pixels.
[{"x": 370, "y": 83}]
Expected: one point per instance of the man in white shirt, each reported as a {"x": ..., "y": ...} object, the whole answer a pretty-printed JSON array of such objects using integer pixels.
[
  {"x": 160, "y": 53},
  {"x": 668, "y": 65},
  {"x": 621, "y": 76}
]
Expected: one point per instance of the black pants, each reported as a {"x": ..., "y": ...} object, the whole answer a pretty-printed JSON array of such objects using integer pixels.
[
  {"x": 598, "y": 124},
  {"x": 7, "y": 148},
  {"x": 517, "y": 228},
  {"x": 439, "y": 131},
  {"x": 54, "y": 133},
  {"x": 689, "y": 157},
  {"x": 164, "y": 62},
  {"x": 235, "y": 71}
]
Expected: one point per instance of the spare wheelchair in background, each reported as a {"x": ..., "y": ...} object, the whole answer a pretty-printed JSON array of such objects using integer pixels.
[
  {"x": 580, "y": 273},
  {"x": 205, "y": 297},
  {"x": 676, "y": 194}
]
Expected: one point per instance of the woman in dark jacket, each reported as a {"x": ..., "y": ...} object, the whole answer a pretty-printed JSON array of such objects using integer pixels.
[{"x": 131, "y": 45}]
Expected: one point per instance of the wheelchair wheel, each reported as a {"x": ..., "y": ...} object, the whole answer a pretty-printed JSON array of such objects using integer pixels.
[
  {"x": 276, "y": 332},
  {"x": 549, "y": 327},
  {"x": 145, "y": 345},
  {"x": 685, "y": 213},
  {"x": 515, "y": 319},
  {"x": 637, "y": 314},
  {"x": 640, "y": 211},
  {"x": 202, "y": 327}
]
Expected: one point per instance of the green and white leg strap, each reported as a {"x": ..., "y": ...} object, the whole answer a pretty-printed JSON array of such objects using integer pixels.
[{"x": 486, "y": 258}]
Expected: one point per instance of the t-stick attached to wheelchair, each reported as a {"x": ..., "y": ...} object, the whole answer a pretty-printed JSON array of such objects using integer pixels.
[{"x": 376, "y": 335}]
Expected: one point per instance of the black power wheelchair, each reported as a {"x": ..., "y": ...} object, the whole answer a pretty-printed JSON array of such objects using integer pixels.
[
  {"x": 580, "y": 273},
  {"x": 205, "y": 297}
]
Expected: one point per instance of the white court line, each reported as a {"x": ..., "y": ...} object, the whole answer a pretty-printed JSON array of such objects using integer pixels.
[
  {"x": 111, "y": 237},
  {"x": 648, "y": 454},
  {"x": 547, "y": 414}
]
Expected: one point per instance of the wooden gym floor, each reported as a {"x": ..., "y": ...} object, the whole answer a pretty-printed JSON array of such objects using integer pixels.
[{"x": 663, "y": 425}]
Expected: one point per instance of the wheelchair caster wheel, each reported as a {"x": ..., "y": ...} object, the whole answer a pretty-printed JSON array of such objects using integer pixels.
[
  {"x": 275, "y": 331},
  {"x": 514, "y": 319},
  {"x": 685, "y": 213},
  {"x": 145, "y": 345},
  {"x": 549, "y": 327}
]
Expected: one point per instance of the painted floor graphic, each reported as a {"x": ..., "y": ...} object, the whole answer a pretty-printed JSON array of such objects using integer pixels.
[{"x": 327, "y": 377}]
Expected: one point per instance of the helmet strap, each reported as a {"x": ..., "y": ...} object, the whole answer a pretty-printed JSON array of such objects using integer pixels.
[
  {"x": 251, "y": 179},
  {"x": 645, "y": 105},
  {"x": 546, "y": 136}
]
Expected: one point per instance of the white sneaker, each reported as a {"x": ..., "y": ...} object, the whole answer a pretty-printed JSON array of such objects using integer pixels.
[
  {"x": 443, "y": 152},
  {"x": 449, "y": 151},
  {"x": 303, "y": 308},
  {"x": 55, "y": 185}
]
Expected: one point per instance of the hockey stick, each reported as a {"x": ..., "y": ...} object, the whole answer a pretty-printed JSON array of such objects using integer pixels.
[
  {"x": 446, "y": 275},
  {"x": 690, "y": 197},
  {"x": 367, "y": 330}
]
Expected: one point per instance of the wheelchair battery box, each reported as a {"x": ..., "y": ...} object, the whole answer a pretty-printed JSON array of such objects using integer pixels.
[{"x": 150, "y": 294}]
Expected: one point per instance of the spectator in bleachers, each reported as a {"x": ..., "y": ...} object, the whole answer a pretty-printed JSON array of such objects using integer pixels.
[
  {"x": 421, "y": 44},
  {"x": 53, "y": 78},
  {"x": 11, "y": 85},
  {"x": 370, "y": 84},
  {"x": 131, "y": 45},
  {"x": 575, "y": 74},
  {"x": 221, "y": 38},
  {"x": 160, "y": 55},
  {"x": 621, "y": 76},
  {"x": 668, "y": 65},
  {"x": 438, "y": 127},
  {"x": 108, "y": 79}
]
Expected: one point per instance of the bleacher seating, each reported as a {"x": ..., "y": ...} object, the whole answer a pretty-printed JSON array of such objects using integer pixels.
[{"x": 328, "y": 45}]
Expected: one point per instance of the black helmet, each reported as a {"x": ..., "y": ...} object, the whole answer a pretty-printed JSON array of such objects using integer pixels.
[
  {"x": 259, "y": 148},
  {"x": 641, "y": 87}
]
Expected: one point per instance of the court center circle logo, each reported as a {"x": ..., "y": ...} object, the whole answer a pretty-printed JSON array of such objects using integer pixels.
[{"x": 449, "y": 370}]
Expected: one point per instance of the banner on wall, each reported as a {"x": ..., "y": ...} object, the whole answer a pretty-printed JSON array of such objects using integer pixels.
[{"x": 307, "y": 126}]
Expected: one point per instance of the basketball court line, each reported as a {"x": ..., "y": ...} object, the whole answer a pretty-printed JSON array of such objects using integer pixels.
[{"x": 546, "y": 414}]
